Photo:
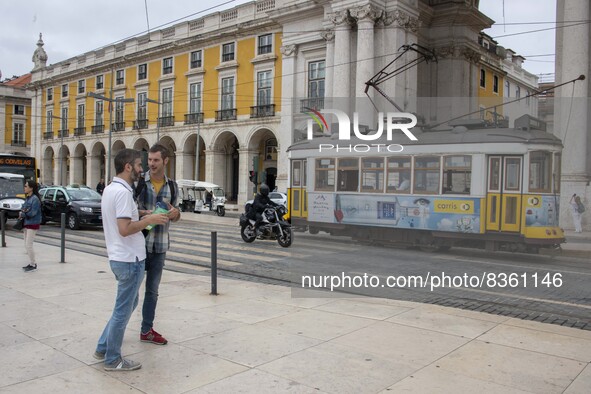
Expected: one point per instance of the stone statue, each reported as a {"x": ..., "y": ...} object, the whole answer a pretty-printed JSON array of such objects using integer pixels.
[{"x": 39, "y": 56}]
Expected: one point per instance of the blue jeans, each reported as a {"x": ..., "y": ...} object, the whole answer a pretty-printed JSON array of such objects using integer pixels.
[
  {"x": 129, "y": 279},
  {"x": 154, "y": 267}
]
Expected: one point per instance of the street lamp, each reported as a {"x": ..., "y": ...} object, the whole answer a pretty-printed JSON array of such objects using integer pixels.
[
  {"x": 149, "y": 100},
  {"x": 111, "y": 100}
]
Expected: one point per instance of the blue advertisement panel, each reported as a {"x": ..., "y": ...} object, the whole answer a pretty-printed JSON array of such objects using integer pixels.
[
  {"x": 541, "y": 211},
  {"x": 455, "y": 214}
]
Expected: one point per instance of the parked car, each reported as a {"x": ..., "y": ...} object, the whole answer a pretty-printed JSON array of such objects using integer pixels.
[
  {"x": 276, "y": 197},
  {"x": 81, "y": 205}
]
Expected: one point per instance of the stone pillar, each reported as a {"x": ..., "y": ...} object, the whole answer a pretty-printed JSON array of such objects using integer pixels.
[
  {"x": 76, "y": 168},
  {"x": 245, "y": 186},
  {"x": 328, "y": 36},
  {"x": 183, "y": 165},
  {"x": 572, "y": 107},
  {"x": 285, "y": 137},
  {"x": 366, "y": 16},
  {"x": 47, "y": 175},
  {"x": 93, "y": 169},
  {"x": 342, "y": 55},
  {"x": 401, "y": 29}
]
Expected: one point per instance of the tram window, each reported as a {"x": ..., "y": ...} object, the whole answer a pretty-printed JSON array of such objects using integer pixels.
[
  {"x": 512, "y": 174},
  {"x": 296, "y": 172},
  {"x": 398, "y": 175},
  {"x": 426, "y": 174},
  {"x": 372, "y": 174},
  {"x": 557, "y": 171},
  {"x": 457, "y": 172},
  {"x": 348, "y": 175},
  {"x": 540, "y": 164},
  {"x": 325, "y": 175},
  {"x": 494, "y": 175}
]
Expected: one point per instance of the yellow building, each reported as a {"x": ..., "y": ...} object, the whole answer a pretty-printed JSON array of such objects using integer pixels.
[
  {"x": 186, "y": 85},
  {"x": 15, "y": 116},
  {"x": 491, "y": 79}
]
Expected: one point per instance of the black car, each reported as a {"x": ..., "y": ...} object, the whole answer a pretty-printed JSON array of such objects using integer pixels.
[{"x": 81, "y": 205}]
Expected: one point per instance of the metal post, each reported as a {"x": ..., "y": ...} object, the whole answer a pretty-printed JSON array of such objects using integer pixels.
[
  {"x": 62, "y": 158},
  {"x": 3, "y": 226},
  {"x": 63, "y": 243},
  {"x": 110, "y": 126},
  {"x": 158, "y": 116},
  {"x": 197, "y": 151},
  {"x": 214, "y": 263}
]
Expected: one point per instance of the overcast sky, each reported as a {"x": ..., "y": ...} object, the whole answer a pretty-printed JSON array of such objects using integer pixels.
[{"x": 72, "y": 27}]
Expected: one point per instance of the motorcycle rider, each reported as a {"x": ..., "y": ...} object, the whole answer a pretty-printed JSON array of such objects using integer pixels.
[{"x": 261, "y": 201}]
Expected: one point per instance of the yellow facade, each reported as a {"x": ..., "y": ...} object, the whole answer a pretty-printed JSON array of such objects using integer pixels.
[{"x": 487, "y": 97}]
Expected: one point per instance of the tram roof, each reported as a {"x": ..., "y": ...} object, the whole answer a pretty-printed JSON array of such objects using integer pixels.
[{"x": 457, "y": 135}]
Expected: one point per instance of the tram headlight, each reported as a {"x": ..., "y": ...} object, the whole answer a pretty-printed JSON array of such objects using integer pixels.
[{"x": 548, "y": 232}]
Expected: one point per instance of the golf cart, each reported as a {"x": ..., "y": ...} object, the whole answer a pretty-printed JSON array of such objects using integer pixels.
[{"x": 197, "y": 196}]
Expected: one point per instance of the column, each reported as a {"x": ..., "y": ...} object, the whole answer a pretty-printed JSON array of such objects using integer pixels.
[
  {"x": 342, "y": 55},
  {"x": 76, "y": 168},
  {"x": 572, "y": 114},
  {"x": 366, "y": 16},
  {"x": 245, "y": 187},
  {"x": 93, "y": 169},
  {"x": 401, "y": 29},
  {"x": 328, "y": 36},
  {"x": 288, "y": 110}
]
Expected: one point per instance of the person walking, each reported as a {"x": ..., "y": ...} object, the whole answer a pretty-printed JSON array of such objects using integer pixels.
[
  {"x": 126, "y": 252},
  {"x": 31, "y": 213},
  {"x": 577, "y": 209},
  {"x": 100, "y": 187},
  {"x": 156, "y": 188}
]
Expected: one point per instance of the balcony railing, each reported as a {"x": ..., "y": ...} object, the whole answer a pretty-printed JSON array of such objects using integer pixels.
[
  {"x": 78, "y": 131},
  {"x": 63, "y": 133},
  {"x": 262, "y": 111},
  {"x": 194, "y": 118},
  {"x": 18, "y": 143},
  {"x": 166, "y": 121},
  {"x": 316, "y": 103},
  {"x": 98, "y": 129},
  {"x": 140, "y": 124},
  {"x": 48, "y": 135},
  {"x": 119, "y": 126},
  {"x": 225, "y": 114}
]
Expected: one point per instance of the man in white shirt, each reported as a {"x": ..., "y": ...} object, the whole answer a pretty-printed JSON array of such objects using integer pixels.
[{"x": 127, "y": 253}]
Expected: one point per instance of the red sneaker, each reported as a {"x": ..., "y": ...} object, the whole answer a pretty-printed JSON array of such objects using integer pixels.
[{"x": 153, "y": 337}]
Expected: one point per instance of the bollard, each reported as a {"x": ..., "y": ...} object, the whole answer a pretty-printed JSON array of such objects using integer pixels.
[
  {"x": 214, "y": 263},
  {"x": 3, "y": 225},
  {"x": 63, "y": 243}
]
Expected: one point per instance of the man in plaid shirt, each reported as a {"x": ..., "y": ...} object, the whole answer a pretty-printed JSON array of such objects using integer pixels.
[{"x": 156, "y": 189}]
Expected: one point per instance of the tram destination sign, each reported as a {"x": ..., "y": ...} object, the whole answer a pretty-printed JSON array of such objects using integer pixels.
[{"x": 16, "y": 161}]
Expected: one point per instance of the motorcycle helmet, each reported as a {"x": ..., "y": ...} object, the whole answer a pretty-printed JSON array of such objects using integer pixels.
[{"x": 264, "y": 190}]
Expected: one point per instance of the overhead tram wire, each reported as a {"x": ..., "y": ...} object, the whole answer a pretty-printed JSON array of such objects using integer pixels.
[{"x": 579, "y": 78}]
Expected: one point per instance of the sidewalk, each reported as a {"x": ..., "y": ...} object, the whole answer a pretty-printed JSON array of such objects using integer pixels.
[{"x": 256, "y": 338}]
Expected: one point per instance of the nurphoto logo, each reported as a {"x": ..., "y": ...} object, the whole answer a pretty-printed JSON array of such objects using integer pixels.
[{"x": 344, "y": 123}]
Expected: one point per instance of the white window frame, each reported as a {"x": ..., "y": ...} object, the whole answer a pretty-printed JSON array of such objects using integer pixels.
[
  {"x": 232, "y": 94},
  {"x": 49, "y": 121},
  {"x": 79, "y": 118},
  {"x": 99, "y": 113},
  {"x": 270, "y": 44},
  {"x": 200, "y": 51},
  {"x": 222, "y": 53},
  {"x": 139, "y": 72},
  {"x": 100, "y": 79},
  {"x": 310, "y": 80},
  {"x": 120, "y": 77},
  {"x": 142, "y": 106},
  {"x": 269, "y": 88},
  {"x": 20, "y": 133},
  {"x": 167, "y": 101},
  {"x": 197, "y": 98},
  {"x": 165, "y": 66}
]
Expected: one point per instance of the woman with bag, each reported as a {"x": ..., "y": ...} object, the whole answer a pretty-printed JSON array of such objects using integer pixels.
[
  {"x": 577, "y": 212},
  {"x": 31, "y": 213}
]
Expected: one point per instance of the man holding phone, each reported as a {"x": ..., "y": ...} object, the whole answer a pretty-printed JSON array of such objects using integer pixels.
[{"x": 154, "y": 191}]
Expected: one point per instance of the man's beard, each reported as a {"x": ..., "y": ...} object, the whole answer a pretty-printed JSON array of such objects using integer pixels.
[{"x": 135, "y": 175}]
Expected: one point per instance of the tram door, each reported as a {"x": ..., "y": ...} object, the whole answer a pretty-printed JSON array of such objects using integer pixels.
[
  {"x": 503, "y": 200},
  {"x": 298, "y": 204}
]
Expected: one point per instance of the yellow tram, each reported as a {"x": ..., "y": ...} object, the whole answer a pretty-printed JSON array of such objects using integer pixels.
[{"x": 472, "y": 185}]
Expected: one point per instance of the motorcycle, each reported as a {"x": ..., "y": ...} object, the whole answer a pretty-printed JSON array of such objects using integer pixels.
[{"x": 273, "y": 227}]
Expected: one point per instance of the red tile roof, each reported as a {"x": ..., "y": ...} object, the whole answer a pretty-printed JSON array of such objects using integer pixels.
[{"x": 20, "y": 81}]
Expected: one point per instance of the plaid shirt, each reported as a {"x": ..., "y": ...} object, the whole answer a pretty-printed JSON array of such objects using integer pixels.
[{"x": 158, "y": 240}]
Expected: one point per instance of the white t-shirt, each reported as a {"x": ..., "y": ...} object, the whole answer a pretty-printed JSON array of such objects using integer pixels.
[{"x": 118, "y": 203}]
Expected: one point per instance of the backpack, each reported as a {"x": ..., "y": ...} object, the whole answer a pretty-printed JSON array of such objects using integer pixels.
[
  {"x": 141, "y": 185},
  {"x": 580, "y": 207}
]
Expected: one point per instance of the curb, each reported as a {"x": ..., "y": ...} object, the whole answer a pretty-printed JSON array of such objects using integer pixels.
[{"x": 566, "y": 253}]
